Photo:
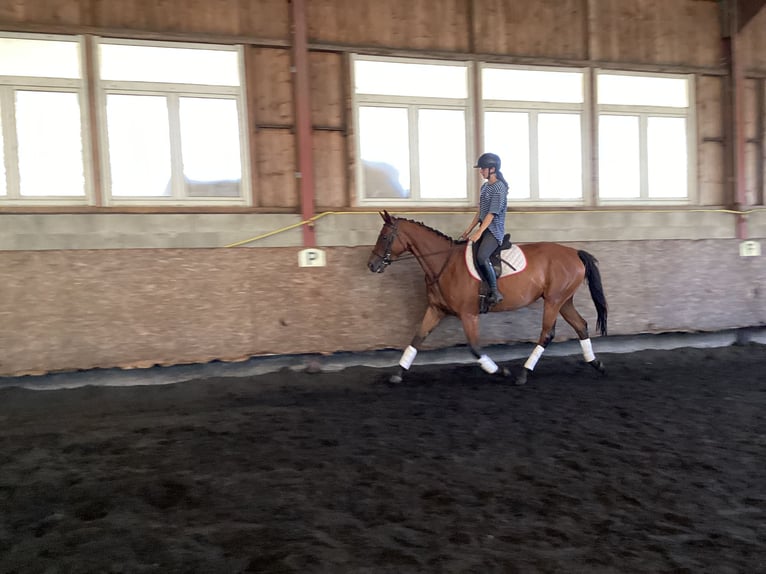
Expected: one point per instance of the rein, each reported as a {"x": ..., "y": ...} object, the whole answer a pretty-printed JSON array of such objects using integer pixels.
[{"x": 435, "y": 280}]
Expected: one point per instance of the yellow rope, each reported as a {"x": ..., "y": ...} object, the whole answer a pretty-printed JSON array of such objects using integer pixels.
[{"x": 513, "y": 212}]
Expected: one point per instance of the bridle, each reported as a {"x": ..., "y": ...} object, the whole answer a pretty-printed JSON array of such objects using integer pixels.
[{"x": 386, "y": 257}]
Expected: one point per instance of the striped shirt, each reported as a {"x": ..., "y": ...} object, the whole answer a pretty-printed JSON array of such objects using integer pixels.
[{"x": 494, "y": 199}]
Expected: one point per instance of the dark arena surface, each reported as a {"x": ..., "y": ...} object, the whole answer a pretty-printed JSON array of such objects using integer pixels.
[{"x": 660, "y": 466}]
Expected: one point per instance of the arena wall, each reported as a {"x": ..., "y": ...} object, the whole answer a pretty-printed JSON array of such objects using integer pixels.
[{"x": 131, "y": 307}]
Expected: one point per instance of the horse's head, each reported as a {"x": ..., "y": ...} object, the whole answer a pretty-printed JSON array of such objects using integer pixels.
[{"x": 389, "y": 245}]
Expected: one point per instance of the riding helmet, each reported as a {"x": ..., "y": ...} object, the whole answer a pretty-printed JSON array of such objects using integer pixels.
[{"x": 488, "y": 160}]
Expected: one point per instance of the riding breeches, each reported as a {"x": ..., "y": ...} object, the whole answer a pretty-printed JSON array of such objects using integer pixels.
[{"x": 487, "y": 245}]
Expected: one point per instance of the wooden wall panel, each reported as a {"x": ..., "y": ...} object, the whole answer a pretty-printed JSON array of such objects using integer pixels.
[
  {"x": 754, "y": 128},
  {"x": 261, "y": 18},
  {"x": 681, "y": 32},
  {"x": 55, "y": 12},
  {"x": 643, "y": 31},
  {"x": 762, "y": 159},
  {"x": 273, "y": 90},
  {"x": 544, "y": 28},
  {"x": 275, "y": 165},
  {"x": 751, "y": 173},
  {"x": 330, "y": 169},
  {"x": 140, "y": 15},
  {"x": 753, "y": 42},
  {"x": 709, "y": 111},
  {"x": 710, "y": 150},
  {"x": 751, "y": 109},
  {"x": 419, "y": 24},
  {"x": 710, "y": 161},
  {"x": 265, "y": 18},
  {"x": 327, "y": 89}
]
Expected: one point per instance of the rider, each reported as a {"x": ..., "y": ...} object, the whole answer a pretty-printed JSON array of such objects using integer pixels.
[{"x": 491, "y": 217}]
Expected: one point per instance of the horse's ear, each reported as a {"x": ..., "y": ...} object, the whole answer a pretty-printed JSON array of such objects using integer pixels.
[{"x": 385, "y": 215}]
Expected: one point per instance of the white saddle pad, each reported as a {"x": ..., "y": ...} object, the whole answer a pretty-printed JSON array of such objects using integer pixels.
[{"x": 513, "y": 261}]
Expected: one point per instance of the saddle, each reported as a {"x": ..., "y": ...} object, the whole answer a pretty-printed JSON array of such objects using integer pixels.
[{"x": 495, "y": 257}]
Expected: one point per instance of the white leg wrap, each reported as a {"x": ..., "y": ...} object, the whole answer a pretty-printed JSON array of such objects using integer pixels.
[
  {"x": 587, "y": 350},
  {"x": 407, "y": 357},
  {"x": 488, "y": 364},
  {"x": 534, "y": 357}
]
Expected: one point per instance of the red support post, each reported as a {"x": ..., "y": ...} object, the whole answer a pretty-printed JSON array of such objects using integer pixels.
[
  {"x": 304, "y": 132},
  {"x": 734, "y": 110}
]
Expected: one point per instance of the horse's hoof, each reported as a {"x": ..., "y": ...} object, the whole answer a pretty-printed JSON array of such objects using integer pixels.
[
  {"x": 504, "y": 372},
  {"x": 521, "y": 379},
  {"x": 598, "y": 365},
  {"x": 395, "y": 379}
]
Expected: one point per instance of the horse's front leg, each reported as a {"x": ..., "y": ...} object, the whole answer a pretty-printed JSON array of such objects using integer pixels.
[
  {"x": 430, "y": 320},
  {"x": 470, "y": 323}
]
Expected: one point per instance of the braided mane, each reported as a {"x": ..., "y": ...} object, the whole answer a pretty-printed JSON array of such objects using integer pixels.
[{"x": 436, "y": 231}]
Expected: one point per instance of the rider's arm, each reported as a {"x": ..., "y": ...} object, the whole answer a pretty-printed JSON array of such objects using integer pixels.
[
  {"x": 484, "y": 225},
  {"x": 467, "y": 232}
]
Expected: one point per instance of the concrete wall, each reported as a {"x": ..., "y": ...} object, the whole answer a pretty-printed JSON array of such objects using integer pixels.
[
  {"x": 106, "y": 307},
  {"x": 195, "y": 230}
]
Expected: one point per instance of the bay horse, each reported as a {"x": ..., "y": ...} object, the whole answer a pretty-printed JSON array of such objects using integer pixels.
[{"x": 553, "y": 272}]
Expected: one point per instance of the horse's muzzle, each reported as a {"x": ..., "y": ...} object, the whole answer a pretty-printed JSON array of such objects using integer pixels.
[{"x": 377, "y": 264}]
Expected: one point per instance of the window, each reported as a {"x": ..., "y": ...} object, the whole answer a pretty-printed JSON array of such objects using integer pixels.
[
  {"x": 43, "y": 154},
  {"x": 170, "y": 126},
  {"x": 412, "y": 120},
  {"x": 414, "y": 133},
  {"x": 533, "y": 119},
  {"x": 645, "y": 137},
  {"x": 173, "y": 123}
]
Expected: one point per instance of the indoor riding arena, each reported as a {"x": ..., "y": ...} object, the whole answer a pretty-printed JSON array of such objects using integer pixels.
[{"x": 241, "y": 329}]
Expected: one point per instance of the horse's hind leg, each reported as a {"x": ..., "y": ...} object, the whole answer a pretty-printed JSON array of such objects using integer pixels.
[
  {"x": 430, "y": 320},
  {"x": 580, "y": 326},
  {"x": 548, "y": 331}
]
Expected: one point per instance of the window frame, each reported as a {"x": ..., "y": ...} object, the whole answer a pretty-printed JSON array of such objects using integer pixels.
[
  {"x": 689, "y": 114},
  {"x": 172, "y": 92},
  {"x": 9, "y": 85},
  {"x": 413, "y": 104},
  {"x": 533, "y": 109}
]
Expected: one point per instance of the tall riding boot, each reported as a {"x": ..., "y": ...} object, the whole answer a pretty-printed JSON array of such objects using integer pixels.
[{"x": 489, "y": 272}]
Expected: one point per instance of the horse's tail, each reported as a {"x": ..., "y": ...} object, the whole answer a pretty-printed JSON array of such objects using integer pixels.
[{"x": 593, "y": 275}]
